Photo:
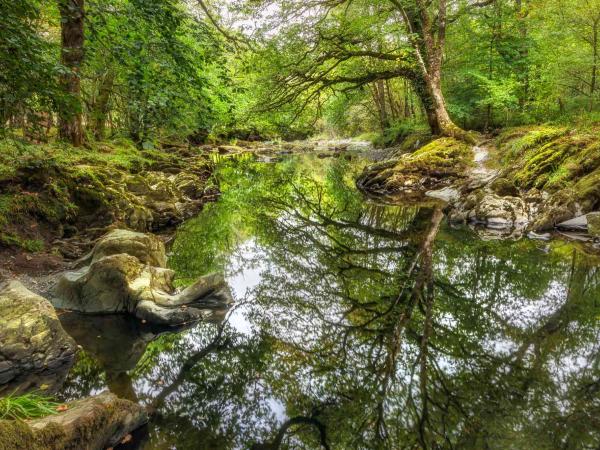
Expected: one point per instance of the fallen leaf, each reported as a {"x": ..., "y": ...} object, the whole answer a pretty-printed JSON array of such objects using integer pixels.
[
  {"x": 126, "y": 439},
  {"x": 62, "y": 408}
]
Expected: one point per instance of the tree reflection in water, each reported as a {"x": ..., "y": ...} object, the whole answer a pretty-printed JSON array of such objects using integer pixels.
[{"x": 368, "y": 326}]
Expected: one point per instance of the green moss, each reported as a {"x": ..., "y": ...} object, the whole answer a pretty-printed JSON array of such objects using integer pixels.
[
  {"x": 516, "y": 141},
  {"x": 565, "y": 163},
  {"x": 16, "y": 435},
  {"x": 439, "y": 161},
  {"x": 446, "y": 155}
]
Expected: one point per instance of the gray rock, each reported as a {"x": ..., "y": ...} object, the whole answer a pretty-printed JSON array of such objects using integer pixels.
[
  {"x": 447, "y": 194},
  {"x": 577, "y": 224},
  {"x": 34, "y": 348},
  {"x": 126, "y": 274},
  {"x": 500, "y": 212}
]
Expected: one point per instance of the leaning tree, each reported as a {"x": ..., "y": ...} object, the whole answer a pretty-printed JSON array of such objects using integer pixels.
[{"x": 317, "y": 46}]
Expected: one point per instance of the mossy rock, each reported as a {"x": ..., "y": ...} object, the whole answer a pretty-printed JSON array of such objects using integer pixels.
[
  {"x": 561, "y": 162},
  {"x": 433, "y": 166},
  {"x": 92, "y": 423}
]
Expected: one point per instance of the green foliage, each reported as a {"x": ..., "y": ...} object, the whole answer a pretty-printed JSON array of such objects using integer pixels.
[
  {"x": 27, "y": 406},
  {"x": 28, "y": 63}
]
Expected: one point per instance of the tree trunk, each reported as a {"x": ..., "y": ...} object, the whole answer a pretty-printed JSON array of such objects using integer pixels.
[
  {"x": 430, "y": 92},
  {"x": 101, "y": 105},
  {"x": 428, "y": 37},
  {"x": 72, "y": 38}
]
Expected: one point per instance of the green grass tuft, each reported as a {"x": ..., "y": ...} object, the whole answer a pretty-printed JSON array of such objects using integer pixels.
[{"x": 27, "y": 406}]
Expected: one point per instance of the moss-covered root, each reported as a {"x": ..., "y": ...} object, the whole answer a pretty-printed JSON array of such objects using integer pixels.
[
  {"x": 92, "y": 423},
  {"x": 433, "y": 166}
]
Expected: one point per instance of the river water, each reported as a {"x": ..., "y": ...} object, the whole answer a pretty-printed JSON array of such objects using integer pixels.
[{"x": 357, "y": 326}]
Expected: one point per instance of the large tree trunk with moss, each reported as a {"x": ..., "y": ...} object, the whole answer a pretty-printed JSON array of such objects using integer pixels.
[
  {"x": 72, "y": 38},
  {"x": 434, "y": 104},
  {"x": 427, "y": 29}
]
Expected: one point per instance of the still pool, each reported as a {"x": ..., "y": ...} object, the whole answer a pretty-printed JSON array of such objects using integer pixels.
[{"x": 357, "y": 325}]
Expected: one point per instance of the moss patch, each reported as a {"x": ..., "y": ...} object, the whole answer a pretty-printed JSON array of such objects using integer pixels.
[
  {"x": 553, "y": 159},
  {"x": 564, "y": 163},
  {"x": 432, "y": 166}
]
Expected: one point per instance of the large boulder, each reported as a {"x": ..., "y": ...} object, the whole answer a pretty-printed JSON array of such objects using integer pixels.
[
  {"x": 34, "y": 348},
  {"x": 146, "y": 247},
  {"x": 501, "y": 212},
  {"x": 434, "y": 166},
  {"x": 93, "y": 423},
  {"x": 126, "y": 274},
  {"x": 491, "y": 210}
]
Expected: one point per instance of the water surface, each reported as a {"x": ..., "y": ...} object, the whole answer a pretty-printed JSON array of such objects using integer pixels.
[{"x": 358, "y": 326}]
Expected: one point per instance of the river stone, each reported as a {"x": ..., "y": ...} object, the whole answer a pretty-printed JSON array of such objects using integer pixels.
[
  {"x": 126, "y": 274},
  {"x": 500, "y": 212},
  {"x": 447, "y": 194},
  {"x": 593, "y": 220},
  {"x": 34, "y": 348},
  {"x": 93, "y": 423}
]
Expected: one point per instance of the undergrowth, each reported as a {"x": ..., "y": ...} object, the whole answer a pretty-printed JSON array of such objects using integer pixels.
[{"x": 38, "y": 183}]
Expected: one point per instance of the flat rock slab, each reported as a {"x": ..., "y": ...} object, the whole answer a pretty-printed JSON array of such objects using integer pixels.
[
  {"x": 93, "y": 423},
  {"x": 577, "y": 224},
  {"x": 448, "y": 194}
]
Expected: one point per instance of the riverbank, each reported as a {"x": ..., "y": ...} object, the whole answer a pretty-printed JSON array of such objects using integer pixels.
[
  {"x": 525, "y": 180},
  {"x": 285, "y": 235}
]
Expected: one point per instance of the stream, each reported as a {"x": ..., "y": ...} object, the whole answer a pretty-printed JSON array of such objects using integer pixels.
[{"x": 357, "y": 325}]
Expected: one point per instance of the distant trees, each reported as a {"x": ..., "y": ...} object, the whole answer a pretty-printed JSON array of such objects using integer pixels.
[
  {"x": 84, "y": 70},
  {"x": 472, "y": 63}
]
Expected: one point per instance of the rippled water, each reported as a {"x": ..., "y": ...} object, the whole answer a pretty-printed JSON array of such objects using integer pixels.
[{"x": 358, "y": 325}]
